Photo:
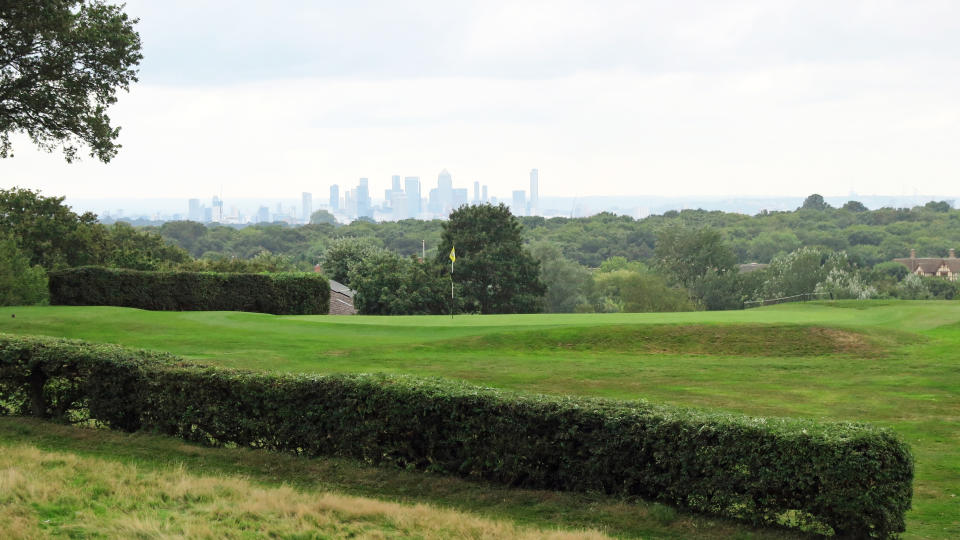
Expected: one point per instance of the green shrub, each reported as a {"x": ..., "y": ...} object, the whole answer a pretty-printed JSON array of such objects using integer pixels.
[
  {"x": 854, "y": 478},
  {"x": 20, "y": 283},
  {"x": 280, "y": 294}
]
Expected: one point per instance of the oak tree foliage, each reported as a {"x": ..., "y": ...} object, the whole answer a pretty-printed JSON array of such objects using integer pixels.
[
  {"x": 493, "y": 272},
  {"x": 53, "y": 236},
  {"x": 61, "y": 64}
]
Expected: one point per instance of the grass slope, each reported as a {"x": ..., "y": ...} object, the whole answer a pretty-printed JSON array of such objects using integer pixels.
[
  {"x": 892, "y": 363},
  {"x": 64, "y": 481}
]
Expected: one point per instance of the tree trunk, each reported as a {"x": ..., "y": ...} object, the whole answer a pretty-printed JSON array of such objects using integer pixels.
[{"x": 38, "y": 407}]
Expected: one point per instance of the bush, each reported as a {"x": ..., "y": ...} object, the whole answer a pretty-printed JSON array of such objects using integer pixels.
[
  {"x": 280, "y": 294},
  {"x": 845, "y": 284},
  {"x": 20, "y": 283},
  {"x": 912, "y": 287},
  {"x": 638, "y": 292},
  {"x": 854, "y": 478},
  {"x": 386, "y": 284}
]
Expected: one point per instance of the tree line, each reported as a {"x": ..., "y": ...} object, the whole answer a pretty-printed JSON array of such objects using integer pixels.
[{"x": 606, "y": 263}]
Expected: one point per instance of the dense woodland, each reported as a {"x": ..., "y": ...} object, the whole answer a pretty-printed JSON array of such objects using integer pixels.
[
  {"x": 868, "y": 236},
  {"x": 604, "y": 263}
]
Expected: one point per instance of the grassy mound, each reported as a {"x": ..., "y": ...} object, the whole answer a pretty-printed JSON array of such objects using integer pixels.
[{"x": 700, "y": 339}]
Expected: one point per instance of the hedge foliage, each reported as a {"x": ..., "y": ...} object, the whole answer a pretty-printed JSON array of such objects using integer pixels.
[
  {"x": 278, "y": 293},
  {"x": 854, "y": 478}
]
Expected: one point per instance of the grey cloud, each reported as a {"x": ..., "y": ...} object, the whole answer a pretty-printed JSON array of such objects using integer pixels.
[{"x": 217, "y": 42}]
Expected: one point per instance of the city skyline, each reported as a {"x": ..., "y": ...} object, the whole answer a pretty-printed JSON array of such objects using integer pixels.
[{"x": 402, "y": 200}]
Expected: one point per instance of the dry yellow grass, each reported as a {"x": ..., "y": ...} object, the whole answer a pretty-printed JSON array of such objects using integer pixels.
[{"x": 46, "y": 494}]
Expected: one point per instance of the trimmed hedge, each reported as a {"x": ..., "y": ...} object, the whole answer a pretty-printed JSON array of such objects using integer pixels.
[
  {"x": 854, "y": 478},
  {"x": 278, "y": 293}
]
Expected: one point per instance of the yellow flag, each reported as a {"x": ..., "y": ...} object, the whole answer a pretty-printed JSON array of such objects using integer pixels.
[{"x": 453, "y": 254}]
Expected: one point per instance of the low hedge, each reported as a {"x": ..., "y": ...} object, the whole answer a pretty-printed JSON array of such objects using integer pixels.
[
  {"x": 279, "y": 293},
  {"x": 853, "y": 478}
]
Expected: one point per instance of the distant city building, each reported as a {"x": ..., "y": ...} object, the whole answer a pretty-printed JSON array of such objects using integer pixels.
[
  {"x": 335, "y": 197},
  {"x": 364, "y": 204},
  {"x": 217, "y": 210},
  {"x": 445, "y": 192},
  {"x": 306, "y": 200},
  {"x": 485, "y": 198},
  {"x": 395, "y": 183},
  {"x": 412, "y": 189},
  {"x": 534, "y": 192},
  {"x": 194, "y": 210},
  {"x": 398, "y": 202},
  {"x": 476, "y": 193},
  {"x": 519, "y": 205},
  {"x": 207, "y": 215},
  {"x": 263, "y": 215},
  {"x": 459, "y": 198}
]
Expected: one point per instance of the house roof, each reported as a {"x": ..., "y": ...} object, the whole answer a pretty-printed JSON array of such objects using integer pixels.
[
  {"x": 930, "y": 265},
  {"x": 338, "y": 287}
]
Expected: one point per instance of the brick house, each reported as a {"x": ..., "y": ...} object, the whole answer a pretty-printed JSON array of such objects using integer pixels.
[{"x": 946, "y": 268}]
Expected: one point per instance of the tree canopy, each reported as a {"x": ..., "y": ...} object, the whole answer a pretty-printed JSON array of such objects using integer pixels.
[
  {"x": 815, "y": 202},
  {"x": 53, "y": 236},
  {"x": 61, "y": 64},
  {"x": 495, "y": 274},
  {"x": 687, "y": 254}
]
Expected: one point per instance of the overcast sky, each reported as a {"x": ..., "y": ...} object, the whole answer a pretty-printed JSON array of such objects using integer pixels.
[{"x": 676, "y": 98}]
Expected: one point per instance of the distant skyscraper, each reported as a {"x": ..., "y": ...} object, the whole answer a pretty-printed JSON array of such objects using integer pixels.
[
  {"x": 335, "y": 197},
  {"x": 395, "y": 183},
  {"x": 519, "y": 205},
  {"x": 194, "y": 212},
  {"x": 485, "y": 198},
  {"x": 207, "y": 215},
  {"x": 445, "y": 191},
  {"x": 263, "y": 215},
  {"x": 534, "y": 192},
  {"x": 364, "y": 206},
  {"x": 307, "y": 201},
  {"x": 412, "y": 189},
  {"x": 398, "y": 202},
  {"x": 459, "y": 198},
  {"x": 476, "y": 193},
  {"x": 217, "y": 210}
]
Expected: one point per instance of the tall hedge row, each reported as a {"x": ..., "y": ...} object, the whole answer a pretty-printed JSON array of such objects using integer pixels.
[
  {"x": 279, "y": 293},
  {"x": 854, "y": 478}
]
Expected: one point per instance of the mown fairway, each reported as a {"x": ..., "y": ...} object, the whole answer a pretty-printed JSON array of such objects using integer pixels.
[{"x": 891, "y": 363}]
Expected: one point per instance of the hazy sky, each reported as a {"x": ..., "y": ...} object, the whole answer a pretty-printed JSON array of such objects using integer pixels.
[{"x": 674, "y": 98}]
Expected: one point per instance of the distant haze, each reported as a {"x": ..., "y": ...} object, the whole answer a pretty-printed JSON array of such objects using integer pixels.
[
  {"x": 168, "y": 209},
  {"x": 674, "y": 99}
]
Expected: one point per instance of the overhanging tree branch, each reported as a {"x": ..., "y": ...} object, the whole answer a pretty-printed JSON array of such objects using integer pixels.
[{"x": 61, "y": 64}]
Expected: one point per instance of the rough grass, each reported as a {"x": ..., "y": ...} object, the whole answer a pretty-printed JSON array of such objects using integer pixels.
[
  {"x": 60, "y": 481},
  {"x": 892, "y": 363},
  {"x": 56, "y": 493}
]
